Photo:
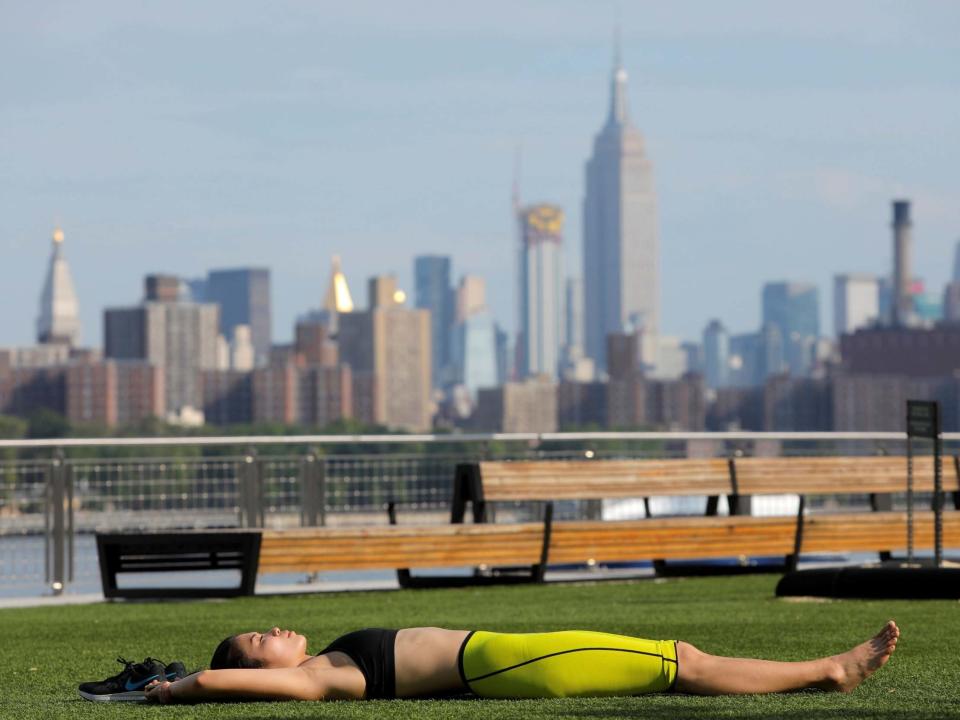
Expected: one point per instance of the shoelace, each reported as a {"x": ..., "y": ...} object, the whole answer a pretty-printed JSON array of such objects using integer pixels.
[{"x": 128, "y": 665}]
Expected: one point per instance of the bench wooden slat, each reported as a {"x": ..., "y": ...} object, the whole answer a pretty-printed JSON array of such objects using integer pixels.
[
  {"x": 851, "y": 532},
  {"x": 671, "y": 538},
  {"x": 319, "y": 549},
  {"x": 591, "y": 479},
  {"x": 837, "y": 475}
]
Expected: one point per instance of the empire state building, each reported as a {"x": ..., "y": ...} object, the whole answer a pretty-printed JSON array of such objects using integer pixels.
[{"x": 621, "y": 254}]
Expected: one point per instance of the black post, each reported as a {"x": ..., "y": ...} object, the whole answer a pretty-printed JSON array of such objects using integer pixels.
[
  {"x": 467, "y": 487},
  {"x": 937, "y": 501},
  {"x": 923, "y": 420},
  {"x": 404, "y": 578},
  {"x": 956, "y": 477},
  {"x": 793, "y": 559},
  {"x": 909, "y": 498}
]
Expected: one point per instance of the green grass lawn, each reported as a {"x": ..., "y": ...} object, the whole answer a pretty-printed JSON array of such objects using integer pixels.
[{"x": 46, "y": 652}]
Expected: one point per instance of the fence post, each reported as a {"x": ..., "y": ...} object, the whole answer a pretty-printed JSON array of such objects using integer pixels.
[
  {"x": 59, "y": 548},
  {"x": 312, "y": 490},
  {"x": 70, "y": 527},
  {"x": 702, "y": 449},
  {"x": 308, "y": 508},
  {"x": 251, "y": 490}
]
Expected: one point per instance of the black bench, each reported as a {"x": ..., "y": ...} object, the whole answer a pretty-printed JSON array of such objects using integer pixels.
[{"x": 189, "y": 551}]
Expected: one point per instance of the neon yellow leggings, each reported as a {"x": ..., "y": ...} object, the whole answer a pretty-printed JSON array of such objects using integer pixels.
[{"x": 574, "y": 663}]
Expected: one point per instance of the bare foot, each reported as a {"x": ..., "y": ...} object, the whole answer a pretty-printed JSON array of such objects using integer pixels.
[{"x": 851, "y": 668}]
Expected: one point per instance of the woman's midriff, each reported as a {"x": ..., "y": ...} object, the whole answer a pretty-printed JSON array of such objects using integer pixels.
[{"x": 426, "y": 661}]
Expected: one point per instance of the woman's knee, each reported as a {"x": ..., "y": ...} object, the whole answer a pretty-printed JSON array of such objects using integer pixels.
[{"x": 689, "y": 660}]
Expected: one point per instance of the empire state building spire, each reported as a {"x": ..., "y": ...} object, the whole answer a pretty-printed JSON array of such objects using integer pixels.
[
  {"x": 619, "y": 113},
  {"x": 59, "y": 318}
]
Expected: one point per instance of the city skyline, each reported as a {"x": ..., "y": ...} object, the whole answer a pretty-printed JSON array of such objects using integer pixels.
[{"x": 135, "y": 162}]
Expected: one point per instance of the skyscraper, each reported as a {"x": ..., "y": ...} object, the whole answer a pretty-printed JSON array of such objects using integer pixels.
[
  {"x": 956, "y": 262},
  {"x": 473, "y": 347},
  {"x": 432, "y": 292},
  {"x": 856, "y": 302},
  {"x": 951, "y": 293},
  {"x": 620, "y": 243},
  {"x": 716, "y": 354},
  {"x": 243, "y": 295},
  {"x": 388, "y": 350},
  {"x": 541, "y": 289},
  {"x": 59, "y": 317},
  {"x": 470, "y": 297},
  {"x": 176, "y": 335},
  {"x": 791, "y": 317},
  {"x": 574, "y": 363},
  {"x": 336, "y": 300},
  {"x": 573, "y": 329},
  {"x": 747, "y": 363}
]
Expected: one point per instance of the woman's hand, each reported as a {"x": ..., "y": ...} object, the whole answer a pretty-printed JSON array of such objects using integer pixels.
[{"x": 159, "y": 692}]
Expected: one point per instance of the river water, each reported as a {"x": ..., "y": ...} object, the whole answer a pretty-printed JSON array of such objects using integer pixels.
[{"x": 22, "y": 572}]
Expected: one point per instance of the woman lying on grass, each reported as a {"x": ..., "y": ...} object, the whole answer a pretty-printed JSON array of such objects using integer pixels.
[{"x": 423, "y": 662}]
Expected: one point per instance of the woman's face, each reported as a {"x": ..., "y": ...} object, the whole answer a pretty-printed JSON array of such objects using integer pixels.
[{"x": 274, "y": 648}]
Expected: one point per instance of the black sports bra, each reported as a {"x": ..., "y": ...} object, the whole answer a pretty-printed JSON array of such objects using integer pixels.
[{"x": 372, "y": 650}]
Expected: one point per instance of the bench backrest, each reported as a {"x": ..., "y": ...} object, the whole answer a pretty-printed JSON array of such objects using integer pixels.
[
  {"x": 596, "y": 479},
  {"x": 591, "y": 479},
  {"x": 837, "y": 475}
]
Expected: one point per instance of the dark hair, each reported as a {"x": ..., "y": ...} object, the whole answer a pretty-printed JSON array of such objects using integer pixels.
[{"x": 228, "y": 656}]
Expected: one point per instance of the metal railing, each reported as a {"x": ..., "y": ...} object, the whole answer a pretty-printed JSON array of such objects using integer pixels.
[{"x": 53, "y": 497}]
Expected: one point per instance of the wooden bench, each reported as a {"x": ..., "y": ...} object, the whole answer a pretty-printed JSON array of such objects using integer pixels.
[{"x": 662, "y": 539}]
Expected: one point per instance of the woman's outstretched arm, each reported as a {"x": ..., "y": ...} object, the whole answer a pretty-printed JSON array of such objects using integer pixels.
[{"x": 224, "y": 685}]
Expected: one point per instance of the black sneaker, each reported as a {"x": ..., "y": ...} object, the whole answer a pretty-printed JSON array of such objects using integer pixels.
[
  {"x": 128, "y": 684},
  {"x": 176, "y": 671}
]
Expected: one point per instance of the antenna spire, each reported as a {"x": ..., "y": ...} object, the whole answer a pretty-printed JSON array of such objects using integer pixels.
[
  {"x": 517, "y": 166},
  {"x": 619, "y": 114},
  {"x": 617, "y": 42}
]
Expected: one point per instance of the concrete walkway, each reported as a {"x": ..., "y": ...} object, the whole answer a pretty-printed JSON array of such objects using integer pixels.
[
  {"x": 263, "y": 589},
  {"x": 322, "y": 586}
]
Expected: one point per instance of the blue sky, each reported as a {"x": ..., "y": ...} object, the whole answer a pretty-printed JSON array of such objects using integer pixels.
[{"x": 177, "y": 137}]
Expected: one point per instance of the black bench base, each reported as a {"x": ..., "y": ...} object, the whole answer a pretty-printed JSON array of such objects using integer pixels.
[
  {"x": 187, "y": 551},
  {"x": 889, "y": 581}
]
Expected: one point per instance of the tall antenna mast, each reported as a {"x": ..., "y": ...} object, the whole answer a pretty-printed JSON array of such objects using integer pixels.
[
  {"x": 517, "y": 164},
  {"x": 617, "y": 41}
]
